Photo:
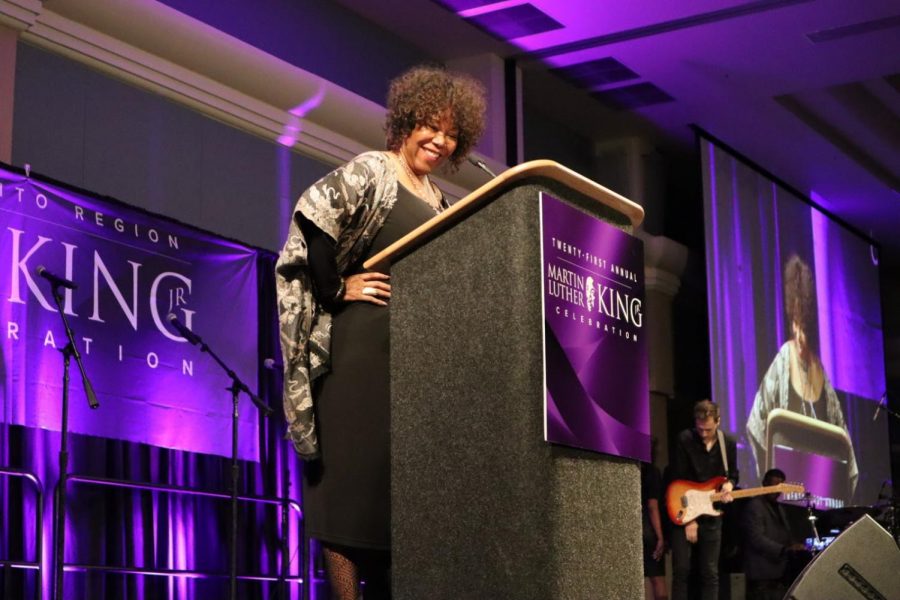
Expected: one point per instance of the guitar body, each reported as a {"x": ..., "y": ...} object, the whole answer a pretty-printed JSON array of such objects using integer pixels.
[{"x": 687, "y": 500}]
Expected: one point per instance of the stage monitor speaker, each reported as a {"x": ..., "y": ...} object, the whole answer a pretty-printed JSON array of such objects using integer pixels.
[{"x": 863, "y": 562}]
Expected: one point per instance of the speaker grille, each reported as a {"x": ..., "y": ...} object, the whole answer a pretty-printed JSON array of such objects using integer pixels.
[{"x": 862, "y": 563}]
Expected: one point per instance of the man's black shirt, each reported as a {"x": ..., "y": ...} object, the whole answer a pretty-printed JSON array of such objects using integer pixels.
[{"x": 693, "y": 462}]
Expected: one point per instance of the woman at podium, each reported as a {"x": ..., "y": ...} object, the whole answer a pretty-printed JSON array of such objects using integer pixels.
[
  {"x": 796, "y": 380},
  {"x": 334, "y": 319}
]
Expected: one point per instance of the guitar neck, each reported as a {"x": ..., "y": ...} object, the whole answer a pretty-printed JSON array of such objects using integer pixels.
[{"x": 749, "y": 492}]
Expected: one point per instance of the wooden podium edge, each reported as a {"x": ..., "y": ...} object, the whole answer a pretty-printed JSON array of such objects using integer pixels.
[
  {"x": 536, "y": 168},
  {"x": 809, "y": 423}
]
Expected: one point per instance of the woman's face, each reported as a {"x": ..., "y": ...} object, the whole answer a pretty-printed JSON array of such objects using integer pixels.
[{"x": 430, "y": 144}]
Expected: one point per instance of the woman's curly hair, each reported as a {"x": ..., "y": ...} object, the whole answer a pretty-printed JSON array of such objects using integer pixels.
[
  {"x": 800, "y": 299},
  {"x": 423, "y": 93}
]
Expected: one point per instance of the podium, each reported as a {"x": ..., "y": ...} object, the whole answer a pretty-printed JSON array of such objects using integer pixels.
[
  {"x": 482, "y": 507},
  {"x": 811, "y": 450}
]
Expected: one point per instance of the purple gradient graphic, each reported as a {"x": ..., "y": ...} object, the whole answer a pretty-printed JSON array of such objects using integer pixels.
[
  {"x": 132, "y": 269},
  {"x": 753, "y": 226},
  {"x": 595, "y": 363}
]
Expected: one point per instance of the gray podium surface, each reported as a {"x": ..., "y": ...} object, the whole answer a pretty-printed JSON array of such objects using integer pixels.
[{"x": 482, "y": 507}]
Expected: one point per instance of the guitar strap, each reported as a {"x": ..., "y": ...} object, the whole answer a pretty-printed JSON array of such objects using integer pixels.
[{"x": 722, "y": 450}]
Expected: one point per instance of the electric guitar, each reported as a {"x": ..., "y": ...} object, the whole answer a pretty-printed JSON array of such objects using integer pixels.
[{"x": 687, "y": 500}]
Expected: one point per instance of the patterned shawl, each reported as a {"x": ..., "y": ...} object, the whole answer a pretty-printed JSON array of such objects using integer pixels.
[{"x": 350, "y": 205}]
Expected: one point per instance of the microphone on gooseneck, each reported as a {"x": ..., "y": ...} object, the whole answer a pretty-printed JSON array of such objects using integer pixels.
[
  {"x": 271, "y": 363},
  {"x": 881, "y": 495},
  {"x": 186, "y": 333},
  {"x": 480, "y": 164},
  {"x": 880, "y": 404},
  {"x": 55, "y": 279}
]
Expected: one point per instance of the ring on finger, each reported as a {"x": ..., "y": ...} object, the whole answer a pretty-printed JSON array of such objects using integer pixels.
[{"x": 370, "y": 291}]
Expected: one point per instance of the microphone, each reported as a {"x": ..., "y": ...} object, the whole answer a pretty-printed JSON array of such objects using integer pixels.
[
  {"x": 881, "y": 495},
  {"x": 878, "y": 408},
  {"x": 55, "y": 279},
  {"x": 271, "y": 363},
  {"x": 186, "y": 333},
  {"x": 89, "y": 392},
  {"x": 480, "y": 164}
]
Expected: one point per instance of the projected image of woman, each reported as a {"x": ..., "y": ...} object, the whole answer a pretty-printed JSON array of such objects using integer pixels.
[
  {"x": 335, "y": 323},
  {"x": 796, "y": 380}
]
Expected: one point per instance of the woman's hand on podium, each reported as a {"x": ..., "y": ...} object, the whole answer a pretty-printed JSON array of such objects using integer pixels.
[{"x": 368, "y": 287}]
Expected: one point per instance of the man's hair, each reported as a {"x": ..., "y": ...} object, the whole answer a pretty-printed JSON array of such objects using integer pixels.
[
  {"x": 706, "y": 409},
  {"x": 772, "y": 474}
]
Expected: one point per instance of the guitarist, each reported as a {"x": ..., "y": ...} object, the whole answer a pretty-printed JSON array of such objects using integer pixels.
[{"x": 701, "y": 453}]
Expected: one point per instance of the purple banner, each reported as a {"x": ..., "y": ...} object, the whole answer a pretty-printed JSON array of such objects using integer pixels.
[
  {"x": 132, "y": 269},
  {"x": 595, "y": 353}
]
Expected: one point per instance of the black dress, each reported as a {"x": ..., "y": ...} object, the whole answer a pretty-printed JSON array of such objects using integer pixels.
[
  {"x": 817, "y": 410},
  {"x": 346, "y": 494}
]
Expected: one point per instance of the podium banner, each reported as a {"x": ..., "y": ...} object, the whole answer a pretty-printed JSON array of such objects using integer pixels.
[
  {"x": 595, "y": 354},
  {"x": 132, "y": 269}
]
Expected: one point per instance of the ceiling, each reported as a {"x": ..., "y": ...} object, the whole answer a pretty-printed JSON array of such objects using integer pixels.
[{"x": 807, "y": 89}]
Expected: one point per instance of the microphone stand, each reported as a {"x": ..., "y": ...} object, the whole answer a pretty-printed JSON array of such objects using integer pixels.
[
  {"x": 883, "y": 406},
  {"x": 59, "y": 529},
  {"x": 812, "y": 518},
  {"x": 237, "y": 386},
  {"x": 894, "y": 506},
  {"x": 285, "y": 453},
  {"x": 891, "y": 504}
]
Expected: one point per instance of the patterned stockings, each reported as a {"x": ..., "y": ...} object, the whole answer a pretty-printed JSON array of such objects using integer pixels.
[{"x": 347, "y": 566}]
